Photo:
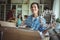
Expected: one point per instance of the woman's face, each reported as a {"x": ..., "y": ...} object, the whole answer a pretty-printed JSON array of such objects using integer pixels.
[
  {"x": 34, "y": 9},
  {"x": 19, "y": 16}
]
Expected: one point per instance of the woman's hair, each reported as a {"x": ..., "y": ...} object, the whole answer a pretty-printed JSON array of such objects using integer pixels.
[
  {"x": 25, "y": 16},
  {"x": 37, "y": 6},
  {"x": 18, "y": 16}
]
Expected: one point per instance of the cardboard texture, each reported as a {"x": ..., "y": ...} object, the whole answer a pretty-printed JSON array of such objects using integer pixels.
[{"x": 19, "y": 34}]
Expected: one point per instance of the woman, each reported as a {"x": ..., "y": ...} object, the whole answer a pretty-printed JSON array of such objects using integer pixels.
[
  {"x": 33, "y": 21},
  {"x": 36, "y": 22}
]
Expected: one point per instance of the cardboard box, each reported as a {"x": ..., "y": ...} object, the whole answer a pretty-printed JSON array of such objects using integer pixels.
[{"x": 19, "y": 34}]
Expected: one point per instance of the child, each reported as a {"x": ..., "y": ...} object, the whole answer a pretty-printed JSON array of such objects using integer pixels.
[{"x": 19, "y": 20}]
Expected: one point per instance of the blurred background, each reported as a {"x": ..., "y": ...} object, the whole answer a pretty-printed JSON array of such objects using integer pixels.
[{"x": 23, "y": 7}]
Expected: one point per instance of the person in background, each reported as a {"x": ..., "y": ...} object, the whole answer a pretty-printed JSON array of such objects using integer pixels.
[
  {"x": 19, "y": 20},
  {"x": 25, "y": 17},
  {"x": 11, "y": 15},
  {"x": 51, "y": 21}
]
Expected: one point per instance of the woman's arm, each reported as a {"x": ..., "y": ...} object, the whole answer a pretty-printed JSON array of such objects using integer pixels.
[
  {"x": 28, "y": 21},
  {"x": 42, "y": 21}
]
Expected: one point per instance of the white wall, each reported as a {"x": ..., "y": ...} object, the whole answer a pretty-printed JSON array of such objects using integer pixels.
[
  {"x": 25, "y": 10},
  {"x": 56, "y": 8},
  {"x": 16, "y": 1}
]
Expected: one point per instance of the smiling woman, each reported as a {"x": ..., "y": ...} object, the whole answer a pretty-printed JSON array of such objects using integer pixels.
[{"x": 34, "y": 21}]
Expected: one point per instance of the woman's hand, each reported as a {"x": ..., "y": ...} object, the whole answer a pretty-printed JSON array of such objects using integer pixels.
[{"x": 45, "y": 31}]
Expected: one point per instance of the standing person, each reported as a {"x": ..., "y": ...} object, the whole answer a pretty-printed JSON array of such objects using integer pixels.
[{"x": 10, "y": 15}]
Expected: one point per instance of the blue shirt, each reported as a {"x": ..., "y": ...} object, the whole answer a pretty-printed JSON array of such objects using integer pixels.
[{"x": 34, "y": 23}]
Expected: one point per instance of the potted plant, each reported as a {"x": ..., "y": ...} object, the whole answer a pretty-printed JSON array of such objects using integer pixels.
[
  {"x": 58, "y": 23},
  {"x": 58, "y": 20}
]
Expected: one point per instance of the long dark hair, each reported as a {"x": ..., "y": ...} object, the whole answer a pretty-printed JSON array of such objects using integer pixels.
[
  {"x": 19, "y": 15},
  {"x": 37, "y": 6}
]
